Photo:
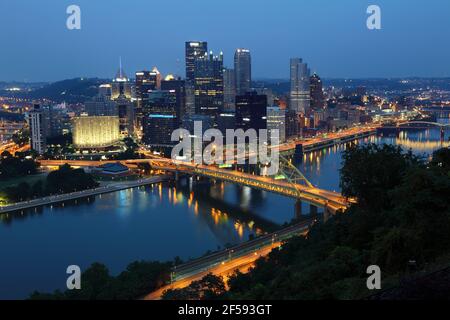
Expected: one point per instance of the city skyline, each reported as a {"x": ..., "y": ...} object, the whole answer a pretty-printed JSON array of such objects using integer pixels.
[{"x": 339, "y": 43}]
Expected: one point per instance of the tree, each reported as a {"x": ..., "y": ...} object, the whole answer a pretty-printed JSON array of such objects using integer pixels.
[
  {"x": 208, "y": 288},
  {"x": 369, "y": 171}
]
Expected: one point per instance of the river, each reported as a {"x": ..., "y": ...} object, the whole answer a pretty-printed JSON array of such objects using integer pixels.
[{"x": 157, "y": 222}]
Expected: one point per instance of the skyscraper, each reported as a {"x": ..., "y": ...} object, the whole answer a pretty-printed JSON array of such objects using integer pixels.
[
  {"x": 38, "y": 129},
  {"x": 276, "y": 120},
  {"x": 178, "y": 86},
  {"x": 125, "y": 111},
  {"x": 194, "y": 49},
  {"x": 160, "y": 118},
  {"x": 300, "y": 94},
  {"x": 243, "y": 71},
  {"x": 229, "y": 90},
  {"x": 208, "y": 84},
  {"x": 121, "y": 85},
  {"x": 251, "y": 111},
  {"x": 146, "y": 81},
  {"x": 317, "y": 99}
]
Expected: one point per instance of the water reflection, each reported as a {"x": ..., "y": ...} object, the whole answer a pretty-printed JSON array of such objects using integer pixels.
[{"x": 158, "y": 222}]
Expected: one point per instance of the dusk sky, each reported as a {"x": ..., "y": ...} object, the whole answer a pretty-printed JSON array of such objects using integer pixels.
[{"x": 330, "y": 35}]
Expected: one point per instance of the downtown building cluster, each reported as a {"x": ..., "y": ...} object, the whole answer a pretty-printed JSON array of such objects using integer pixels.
[{"x": 151, "y": 106}]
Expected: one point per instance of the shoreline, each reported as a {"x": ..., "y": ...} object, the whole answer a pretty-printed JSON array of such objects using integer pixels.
[{"x": 18, "y": 206}]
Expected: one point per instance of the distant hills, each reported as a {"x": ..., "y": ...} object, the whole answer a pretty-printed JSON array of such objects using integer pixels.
[
  {"x": 76, "y": 90},
  {"x": 79, "y": 90}
]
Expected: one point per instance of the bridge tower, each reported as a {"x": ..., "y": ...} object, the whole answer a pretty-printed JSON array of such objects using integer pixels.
[{"x": 292, "y": 174}]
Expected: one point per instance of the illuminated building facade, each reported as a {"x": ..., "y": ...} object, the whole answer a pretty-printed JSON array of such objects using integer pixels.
[
  {"x": 208, "y": 85},
  {"x": 251, "y": 111},
  {"x": 316, "y": 91},
  {"x": 300, "y": 92},
  {"x": 121, "y": 85},
  {"x": 145, "y": 82},
  {"x": 38, "y": 129},
  {"x": 276, "y": 120},
  {"x": 243, "y": 71},
  {"x": 229, "y": 90},
  {"x": 179, "y": 87},
  {"x": 160, "y": 118},
  {"x": 194, "y": 49},
  {"x": 91, "y": 132}
]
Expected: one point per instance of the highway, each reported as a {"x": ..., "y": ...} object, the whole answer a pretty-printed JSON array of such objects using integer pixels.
[
  {"x": 80, "y": 194},
  {"x": 226, "y": 262}
]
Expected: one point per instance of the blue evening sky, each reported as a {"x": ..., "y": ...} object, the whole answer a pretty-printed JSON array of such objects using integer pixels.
[{"x": 331, "y": 35}]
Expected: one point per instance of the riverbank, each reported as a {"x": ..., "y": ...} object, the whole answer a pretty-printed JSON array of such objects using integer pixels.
[{"x": 80, "y": 194}]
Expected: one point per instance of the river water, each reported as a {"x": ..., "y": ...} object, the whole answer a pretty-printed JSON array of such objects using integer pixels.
[{"x": 157, "y": 222}]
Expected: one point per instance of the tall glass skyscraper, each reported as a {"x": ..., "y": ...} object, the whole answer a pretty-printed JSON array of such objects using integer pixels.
[
  {"x": 243, "y": 70},
  {"x": 300, "y": 94},
  {"x": 194, "y": 49},
  {"x": 208, "y": 84},
  {"x": 316, "y": 90},
  {"x": 145, "y": 82},
  {"x": 229, "y": 88}
]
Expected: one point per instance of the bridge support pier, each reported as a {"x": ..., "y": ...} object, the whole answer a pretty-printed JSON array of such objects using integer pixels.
[
  {"x": 312, "y": 210},
  {"x": 326, "y": 214},
  {"x": 298, "y": 209}
]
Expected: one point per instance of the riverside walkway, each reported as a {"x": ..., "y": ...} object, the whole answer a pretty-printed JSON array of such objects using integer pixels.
[{"x": 18, "y": 206}]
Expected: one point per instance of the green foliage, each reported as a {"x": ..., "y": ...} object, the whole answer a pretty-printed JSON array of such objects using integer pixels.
[
  {"x": 137, "y": 280},
  {"x": 369, "y": 172},
  {"x": 16, "y": 166},
  {"x": 208, "y": 288},
  {"x": 130, "y": 152},
  {"x": 402, "y": 217},
  {"x": 63, "y": 180},
  {"x": 22, "y": 137},
  {"x": 67, "y": 179}
]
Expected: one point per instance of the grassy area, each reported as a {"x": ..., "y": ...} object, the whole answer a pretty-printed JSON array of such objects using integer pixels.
[{"x": 29, "y": 179}]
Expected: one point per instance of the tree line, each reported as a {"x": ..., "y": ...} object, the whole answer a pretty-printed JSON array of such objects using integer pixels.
[
  {"x": 401, "y": 223},
  {"x": 64, "y": 180}
]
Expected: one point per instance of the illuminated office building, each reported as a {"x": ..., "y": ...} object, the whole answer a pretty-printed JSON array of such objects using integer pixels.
[
  {"x": 316, "y": 91},
  {"x": 300, "y": 93},
  {"x": 177, "y": 85},
  {"x": 208, "y": 85},
  {"x": 95, "y": 132},
  {"x": 121, "y": 85},
  {"x": 194, "y": 49},
  {"x": 38, "y": 129},
  {"x": 229, "y": 90},
  {"x": 276, "y": 120},
  {"x": 243, "y": 71},
  {"x": 145, "y": 82},
  {"x": 160, "y": 118},
  {"x": 251, "y": 111}
]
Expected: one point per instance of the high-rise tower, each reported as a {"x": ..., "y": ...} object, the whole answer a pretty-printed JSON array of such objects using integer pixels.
[
  {"x": 243, "y": 71},
  {"x": 208, "y": 84},
  {"x": 194, "y": 50},
  {"x": 300, "y": 93},
  {"x": 316, "y": 90}
]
